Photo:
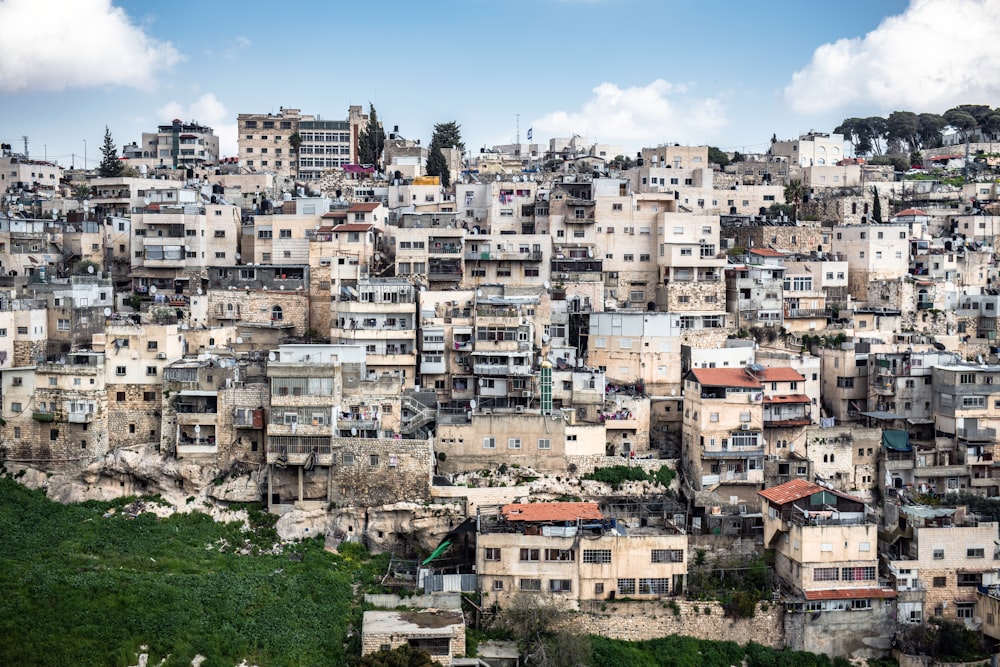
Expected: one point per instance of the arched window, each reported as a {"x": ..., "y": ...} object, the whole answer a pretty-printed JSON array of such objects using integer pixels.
[{"x": 276, "y": 314}]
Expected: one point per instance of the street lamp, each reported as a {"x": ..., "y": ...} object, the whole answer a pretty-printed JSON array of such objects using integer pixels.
[{"x": 85, "y": 155}]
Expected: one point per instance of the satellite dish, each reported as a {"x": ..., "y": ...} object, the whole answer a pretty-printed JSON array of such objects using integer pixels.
[
  {"x": 479, "y": 292},
  {"x": 472, "y": 404},
  {"x": 197, "y": 428},
  {"x": 90, "y": 269},
  {"x": 354, "y": 431},
  {"x": 239, "y": 256},
  {"x": 107, "y": 312},
  {"x": 545, "y": 338},
  {"x": 239, "y": 340},
  {"x": 199, "y": 291},
  {"x": 546, "y": 284},
  {"x": 482, "y": 382},
  {"x": 590, "y": 253},
  {"x": 152, "y": 289},
  {"x": 271, "y": 356}
]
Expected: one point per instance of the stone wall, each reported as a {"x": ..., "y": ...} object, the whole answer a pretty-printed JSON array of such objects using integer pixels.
[
  {"x": 256, "y": 306},
  {"x": 471, "y": 498},
  {"x": 586, "y": 464},
  {"x": 27, "y": 352},
  {"x": 633, "y": 621},
  {"x": 383, "y": 471},
  {"x": 855, "y": 633},
  {"x": 240, "y": 444},
  {"x": 134, "y": 420}
]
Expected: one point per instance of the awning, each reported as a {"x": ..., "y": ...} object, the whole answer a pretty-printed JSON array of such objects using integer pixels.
[
  {"x": 919, "y": 420},
  {"x": 879, "y": 414},
  {"x": 898, "y": 441}
]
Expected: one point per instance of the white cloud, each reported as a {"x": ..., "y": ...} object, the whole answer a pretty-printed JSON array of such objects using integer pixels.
[
  {"x": 637, "y": 116},
  {"x": 58, "y": 44},
  {"x": 932, "y": 56},
  {"x": 206, "y": 110}
]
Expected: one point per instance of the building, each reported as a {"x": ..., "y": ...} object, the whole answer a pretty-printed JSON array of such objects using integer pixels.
[
  {"x": 826, "y": 557},
  {"x": 575, "y": 552},
  {"x": 440, "y": 632},
  {"x": 177, "y": 145}
]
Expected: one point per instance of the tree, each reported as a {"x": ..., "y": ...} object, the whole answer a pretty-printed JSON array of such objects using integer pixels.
[
  {"x": 371, "y": 142},
  {"x": 962, "y": 121},
  {"x": 446, "y": 135},
  {"x": 295, "y": 140},
  {"x": 877, "y": 206},
  {"x": 532, "y": 621},
  {"x": 864, "y": 133},
  {"x": 931, "y": 125},
  {"x": 110, "y": 164},
  {"x": 795, "y": 192},
  {"x": 902, "y": 129},
  {"x": 718, "y": 157},
  {"x": 404, "y": 656}
]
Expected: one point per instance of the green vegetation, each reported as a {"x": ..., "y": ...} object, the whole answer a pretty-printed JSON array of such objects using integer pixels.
[
  {"x": 618, "y": 475},
  {"x": 739, "y": 584},
  {"x": 716, "y": 156},
  {"x": 678, "y": 651},
  {"x": 947, "y": 641},
  {"x": 81, "y": 585},
  {"x": 404, "y": 656}
]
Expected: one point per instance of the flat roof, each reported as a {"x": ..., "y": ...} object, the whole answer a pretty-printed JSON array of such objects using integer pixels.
[{"x": 724, "y": 377}]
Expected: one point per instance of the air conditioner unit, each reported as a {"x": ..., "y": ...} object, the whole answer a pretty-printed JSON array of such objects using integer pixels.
[
  {"x": 161, "y": 355},
  {"x": 487, "y": 411},
  {"x": 526, "y": 393},
  {"x": 518, "y": 409},
  {"x": 744, "y": 427}
]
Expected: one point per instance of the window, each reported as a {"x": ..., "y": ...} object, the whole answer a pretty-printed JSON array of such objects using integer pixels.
[
  {"x": 666, "y": 556},
  {"x": 965, "y": 609},
  {"x": 151, "y": 370},
  {"x": 939, "y": 554},
  {"x": 825, "y": 574},
  {"x": 940, "y": 582},
  {"x": 970, "y": 579},
  {"x": 658, "y": 586},
  {"x": 597, "y": 555},
  {"x": 491, "y": 553},
  {"x": 544, "y": 443},
  {"x": 599, "y": 588},
  {"x": 373, "y": 459},
  {"x": 529, "y": 555},
  {"x": 626, "y": 587},
  {"x": 531, "y": 584},
  {"x": 498, "y": 584},
  {"x": 62, "y": 324},
  {"x": 857, "y": 574},
  {"x": 120, "y": 370},
  {"x": 513, "y": 443},
  {"x": 15, "y": 407},
  {"x": 151, "y": 345},
  {"x": 53, "y": 434},
  {"x": 560, "y": 555},
  {"x": 560, "y": 585},
  {"x": 489, "y": 443},
  {"x": 120, "y": 396},
  {"x": 148, "y": 396},
  {"x": 975, "y": 552}
]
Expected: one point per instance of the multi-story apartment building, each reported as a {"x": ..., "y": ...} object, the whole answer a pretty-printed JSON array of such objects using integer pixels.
[
  {"x": 521, "y": 259},
  {"x": 691, "y": 266},
  {"x": 811, "y": 149},
  {"x": 296, "y": 145},
  {"x": 938, "y": 557},
  {"x": 873, "y": 252},
  {"x": 173, "y": 246},
  {"x": 380, "y": 315},
  {"x": 826, "y": 556},
  {"x": 754, "y": 294},
  {"x": 176, "y": 145},
  {"x": 722, "y": 441},
  {"x": 845, "y": 380},
  {"x": 575, "y": 553}
]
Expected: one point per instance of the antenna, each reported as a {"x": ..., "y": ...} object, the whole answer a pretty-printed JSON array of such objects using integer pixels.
[{"x": 25, "y": 138}]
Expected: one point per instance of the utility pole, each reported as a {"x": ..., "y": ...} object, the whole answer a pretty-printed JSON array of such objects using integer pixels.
[
  {"x": 25, "y": 137},
  {"x": 517, "y": 125}
]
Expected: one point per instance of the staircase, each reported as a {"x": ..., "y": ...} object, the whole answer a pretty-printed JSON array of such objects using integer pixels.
[{"x": 422, "y": 408}]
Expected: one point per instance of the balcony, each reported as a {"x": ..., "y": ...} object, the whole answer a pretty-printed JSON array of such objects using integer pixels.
[
  {"x": 977, "y": 434},
  {"x": 805, "y": 312},
  {"x": 357, "y": 423},
  {"x": 505, "y": 256},
  {"x": 924, "y": 305},
  {"x": 297, "y": 451},
  {"x": 43, "y": 416},
  {"x": 496, "y": 370},
  {"x": 929, "y": 471},
  {"x": 883, "y": 387},
  {"x": 80, "y": 417}
]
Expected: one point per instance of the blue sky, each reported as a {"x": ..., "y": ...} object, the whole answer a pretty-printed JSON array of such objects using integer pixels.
[{"x": 629, "y": 72}]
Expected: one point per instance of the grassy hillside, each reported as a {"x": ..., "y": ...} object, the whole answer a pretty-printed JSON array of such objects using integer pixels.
[{"x": 80, "y": 588}]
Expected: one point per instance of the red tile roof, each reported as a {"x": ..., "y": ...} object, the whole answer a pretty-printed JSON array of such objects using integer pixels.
[
  {"x": 363, "y": 207},
  {"x": 724, "y": 377},
  {"x": 797, "y": 489},
  {"x": 550, "y": 511},
  {"x": 781, "y": 374},
  {"x": 354, "y": 227},
  {"x": 910, "y": 211},
  {"x": 791, "y": 398},
  {"x": 766, "y": 252},
  {"x": 850, "y": 593},
  {"x": 793, "y": 490},
  {"x": 335, "y": 214}
]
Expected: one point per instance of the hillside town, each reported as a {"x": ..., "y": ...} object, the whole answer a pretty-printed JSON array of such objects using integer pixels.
[{"x": 563, "y": 370}]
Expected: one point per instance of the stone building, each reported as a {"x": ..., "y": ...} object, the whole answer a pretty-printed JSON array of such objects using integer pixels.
[
  {"x": 575, "y": 552},
  {"x": 938, "y": 557},
  {"x": 369, "y": 472},
  {"x": 439, "y": 632},
  {"x": 826, "y": 556}
]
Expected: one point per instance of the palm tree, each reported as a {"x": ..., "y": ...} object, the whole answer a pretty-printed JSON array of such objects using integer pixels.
[{"x": 795, "y": 192}]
